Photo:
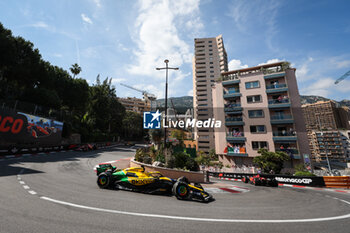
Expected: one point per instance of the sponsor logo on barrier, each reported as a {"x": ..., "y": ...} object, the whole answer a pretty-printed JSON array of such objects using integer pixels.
[{"x": 294, "y": 180}]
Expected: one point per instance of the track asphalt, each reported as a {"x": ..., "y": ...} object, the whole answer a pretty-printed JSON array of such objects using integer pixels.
[{"x": 58, "y": 193}]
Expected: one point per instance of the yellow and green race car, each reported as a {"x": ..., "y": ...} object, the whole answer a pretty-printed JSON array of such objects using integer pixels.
[{"x": 136, "y": 179}]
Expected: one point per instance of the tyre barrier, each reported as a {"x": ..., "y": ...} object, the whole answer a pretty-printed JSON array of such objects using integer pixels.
[{"x": 337, "y": 181}]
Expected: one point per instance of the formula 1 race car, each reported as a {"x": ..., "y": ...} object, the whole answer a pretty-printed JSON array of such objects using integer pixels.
[
  {"x": 136, "y": 179},
  {"x": 258, "y": 180}
]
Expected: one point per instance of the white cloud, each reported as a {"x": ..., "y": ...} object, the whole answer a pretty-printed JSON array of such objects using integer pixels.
[
  {"x": 40, "y": 24},
  {"x": 161, "y": 30},
  {"x": 340, "y": 62},
  {"x": 236, "y": 65},
  {"x": 271, "y": 61},
  {"x": 302, "y": 72},
  {"x": 97, "y": 3},
  {"x": 58, "y": 55},
  {"x": 322, "y": 87},
  {"x": 86, "y": 19},
  {"x": 158, "y": 36},
  {"x": 190, "y": 92},
  {"x": 118, "y": 80}
]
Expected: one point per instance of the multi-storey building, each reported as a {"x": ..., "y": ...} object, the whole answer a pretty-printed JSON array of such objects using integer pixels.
[
  {"x": 326, "y": 115},
  {"x": 209, "y": 61},
  {"x": 135, "y": 104},
  {"x": 260, "y": 108},
  {"x": 346, "y": 143},
  {"x": 328, "y": 144}
]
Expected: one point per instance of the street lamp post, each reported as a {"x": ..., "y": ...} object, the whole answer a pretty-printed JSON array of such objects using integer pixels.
[{"x": 166, "y": 68}]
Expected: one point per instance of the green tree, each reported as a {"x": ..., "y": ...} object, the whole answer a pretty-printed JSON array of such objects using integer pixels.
[
  {"x": 133, "y": 125},
  {"x": 271, "y": 160},
  {"x": 156, "y": 136},
  {"x": 75, "y": 69},
  {"x": 300, "y": 170}
]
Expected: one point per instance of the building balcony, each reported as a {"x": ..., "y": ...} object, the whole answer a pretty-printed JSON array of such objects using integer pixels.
[
  {"x": 231, "y": 94},
  {"x": 237, "y": 137},
  {"x": 271, "y": 76},
  {"x": 232, "y": 121},
  {"x": 232, "y": 151},
  {"x": 282, "y": 119},
  {"x": 282, "y": 103},
  {"x": 233, "y": 108},
  {"x": 231, "y": 82},
  {"x": 284, "y": 136},
  {"x": 276, "y": 88}
]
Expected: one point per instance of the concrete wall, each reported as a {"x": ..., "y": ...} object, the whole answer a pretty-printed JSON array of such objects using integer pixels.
[
  {"x": 219, "y": 114},
  {"x": 171, "y": 173},
  {"x": 297, "y": 113}
]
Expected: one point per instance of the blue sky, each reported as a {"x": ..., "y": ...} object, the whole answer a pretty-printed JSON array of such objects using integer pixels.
[{"x": 126, "y": 40}]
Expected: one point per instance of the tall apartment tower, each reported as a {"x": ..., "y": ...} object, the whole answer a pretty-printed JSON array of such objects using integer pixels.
[
  {"x": 209, "y": 61},
  {"x": 260, "y": 108}
]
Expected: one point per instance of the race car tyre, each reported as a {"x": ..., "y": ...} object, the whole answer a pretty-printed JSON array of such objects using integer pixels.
[
  {"x": 181, "y": 190},
  {"x": 245, "y": 180},
  {"x": 104, "y": 180},
  {"x": 183, "y": 179},
  {"x": 272, "y": 183},
  {"x": 257, "y": 182}
]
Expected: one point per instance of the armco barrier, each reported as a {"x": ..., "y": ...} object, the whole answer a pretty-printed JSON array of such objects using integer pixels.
[
  {"x": 283, "y": 179},
  {"x": 171, "y": 173},
  {"x": 337, "y": 181}
]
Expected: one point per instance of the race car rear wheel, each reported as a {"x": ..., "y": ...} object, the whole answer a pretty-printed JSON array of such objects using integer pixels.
[
  {"x": 103, "y": 180},
  {"x": 181, "y": 190}
]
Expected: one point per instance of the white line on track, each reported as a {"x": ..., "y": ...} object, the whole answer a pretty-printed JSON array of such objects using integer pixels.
[
  {"x": 199, "y": 219},
  {"x": 26, "y": 187},
  {"x": 22, "y": 182},
  {"x": 32, "y": 192}
]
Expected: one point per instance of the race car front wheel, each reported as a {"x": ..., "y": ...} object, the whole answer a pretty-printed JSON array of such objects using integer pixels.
[
  {"x": 103, "y": 180},
  {"x": 181, "y": 190}
]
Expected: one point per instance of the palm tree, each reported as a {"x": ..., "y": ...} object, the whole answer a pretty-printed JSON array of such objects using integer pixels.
[{"x": 75, "y": 69}]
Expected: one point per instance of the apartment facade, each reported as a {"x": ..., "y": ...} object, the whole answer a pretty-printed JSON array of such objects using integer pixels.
[
  {"x": 327, "y": 126},
  {"x": 135, "y": 104},
  {"x": 328, "y": 144},
  {"x": 325, "y": 115},
  {"x": 209, "y": 61},
  {"x": 260, "y": 108}
]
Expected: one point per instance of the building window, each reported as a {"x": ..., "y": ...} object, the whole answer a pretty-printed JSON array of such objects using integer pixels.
[
  {"x": 210, "y": 54},
  {"x": 210, "y": 41},
  {"x": 210, "y": 50},
  {"x": 254, "y": 98},
  {"x": 250, "y": 85},
  {"x": 257, "y": 129},
  {"x": 211, "y": 62},
  {"x": 210, "y": 45},
  {"x": 211, "y": 76},
  {"x": 256, "y": 113},
  {"x": 259, "y": 145},
  {"x": 212, "y": 71}
]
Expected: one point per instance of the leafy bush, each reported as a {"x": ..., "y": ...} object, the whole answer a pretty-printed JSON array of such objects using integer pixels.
[
  {"x": 304, "y": 173},
  {"x": 147, "y": 159},
  {"x": 160, "y": 157},
  {"x": 268, "y": 161}
]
